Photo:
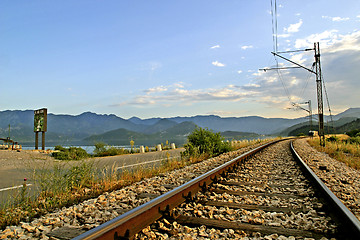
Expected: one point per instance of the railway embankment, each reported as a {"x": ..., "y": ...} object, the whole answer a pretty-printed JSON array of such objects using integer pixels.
[
  {"x": 74, "y": 220},
  {"x": 341, "y": 179}
]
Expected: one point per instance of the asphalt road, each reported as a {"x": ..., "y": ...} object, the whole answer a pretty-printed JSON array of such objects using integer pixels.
[{"x": 16, "y": 166}]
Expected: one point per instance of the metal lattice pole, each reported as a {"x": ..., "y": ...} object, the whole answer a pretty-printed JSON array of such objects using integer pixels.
[
  {"x": 319, "y": 93},
  {"x": 310, "y": 114}
]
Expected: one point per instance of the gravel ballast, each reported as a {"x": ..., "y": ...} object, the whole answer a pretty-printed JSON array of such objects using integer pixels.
[
  {"x": 341, "y": 179},
  {"x": 270, "y": 174}
]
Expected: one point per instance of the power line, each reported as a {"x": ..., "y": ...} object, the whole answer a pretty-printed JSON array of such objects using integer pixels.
[
  {"x": 274, "y": 24},
  {"x": 306, "y": 83},
  {"x": 328, "y": 103},
  {"x": 282, "y": 80}
]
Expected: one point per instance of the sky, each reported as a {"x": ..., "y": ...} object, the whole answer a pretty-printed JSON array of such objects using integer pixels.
[{"x": 165, "y": 58}]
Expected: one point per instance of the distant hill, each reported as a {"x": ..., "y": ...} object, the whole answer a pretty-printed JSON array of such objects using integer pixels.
[
  {"x": 118, "y": 137},
  {"x": 349, "y": 113},
  {"x": 176, "y": 134},
  {"x": 305, "y": 126},
  {"x": 70, "y": 129},
  {"x": 159, "y": 126},
  {"x": 254, "y": 124},
  {"x": 231, "y": 135},
  {"x": 179, "y": 130},
  {"x": 348, "y": 126}
]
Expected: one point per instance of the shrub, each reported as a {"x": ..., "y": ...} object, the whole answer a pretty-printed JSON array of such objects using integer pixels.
[
  {"x": 353, "y": 133},
  {"x": 59, "y": 148},
  {"x": 203, "y": 141},
  {"x": 71, "y": 153},
  {"x": 332, "y": 139},
  {"x": 355, "y": 140},
  {"x": 102, "y": 150},
  {"x": 99, "y": 147}
]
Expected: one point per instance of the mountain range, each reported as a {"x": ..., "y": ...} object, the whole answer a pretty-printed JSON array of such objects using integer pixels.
[{"x": 88, "y": 127}]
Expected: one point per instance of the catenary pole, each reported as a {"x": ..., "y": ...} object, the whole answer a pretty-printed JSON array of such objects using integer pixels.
[{"x": 319, "y": 93}]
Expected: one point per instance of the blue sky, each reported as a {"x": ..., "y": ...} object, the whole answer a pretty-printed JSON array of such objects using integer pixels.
[{"x": 175, "y": 58}]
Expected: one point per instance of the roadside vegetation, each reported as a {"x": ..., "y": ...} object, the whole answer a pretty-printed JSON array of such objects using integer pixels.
[
  {"x": 64, "y": 185},
  {"x": 103, "y": 150},
  {"x": 71, "y": 153},
  {"x": 203, "y": 142},
  {"x": 344, "y": 148}
]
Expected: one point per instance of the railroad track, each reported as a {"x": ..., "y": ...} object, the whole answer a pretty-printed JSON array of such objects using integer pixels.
[{"x": 258, "y": 194}]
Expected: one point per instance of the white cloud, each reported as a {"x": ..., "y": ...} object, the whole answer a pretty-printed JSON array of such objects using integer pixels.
[
  {"x": 252, "y": 85},
  {"x": 345, "y": 42},
  {"x": 156, "y": 89},
  {"x": 284, "y": 35},
  {"x": 179, "y": 85},
  {"x": 336, "y": 19},
  {"x": 298, "y": 58},
  {"x": 246, "y": 47},
  {"x": 294, "y": 27},
  {"x": 339, "y": 19},
  {"x": 216, "y": 46},
  {"x": 340, "y": 58},
  {"x": 239, "y": 71},
  {"x": 326, "y": 38},
  {"x": 175, "y": 96},
  {"x": 218, "y": 64}
]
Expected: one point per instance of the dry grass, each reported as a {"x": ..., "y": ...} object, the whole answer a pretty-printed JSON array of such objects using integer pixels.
[
  {"x": 245, "y": 143},
  {"x": 60, "y": 187},
  {"x": 344, "y": 152}
]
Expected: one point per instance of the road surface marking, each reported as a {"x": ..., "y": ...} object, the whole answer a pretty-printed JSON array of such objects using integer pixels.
[{"x": 9, "y": 188}]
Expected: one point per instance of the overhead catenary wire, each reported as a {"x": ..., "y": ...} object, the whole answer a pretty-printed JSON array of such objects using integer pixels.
[
  {"x": 282, "y": 81},
  {"x": 275, "y": 44},
  {"x": 328, "y": 103},
  {"x": 302, "y": 93},
  {"x": 274, "y": 24}
]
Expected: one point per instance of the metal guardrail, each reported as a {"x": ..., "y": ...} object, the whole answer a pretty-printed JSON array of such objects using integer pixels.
[
  {"x": 348, "y": 219},
  {"x": 132, "y": 222}
]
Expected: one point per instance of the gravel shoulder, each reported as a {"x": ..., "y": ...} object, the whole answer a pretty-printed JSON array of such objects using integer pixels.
[{"x": 341, "y": 179}]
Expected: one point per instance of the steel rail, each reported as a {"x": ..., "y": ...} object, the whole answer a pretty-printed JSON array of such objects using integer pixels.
[
  {"x": 348, "y": 219},
  {"x": 127, "y": 225}
]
